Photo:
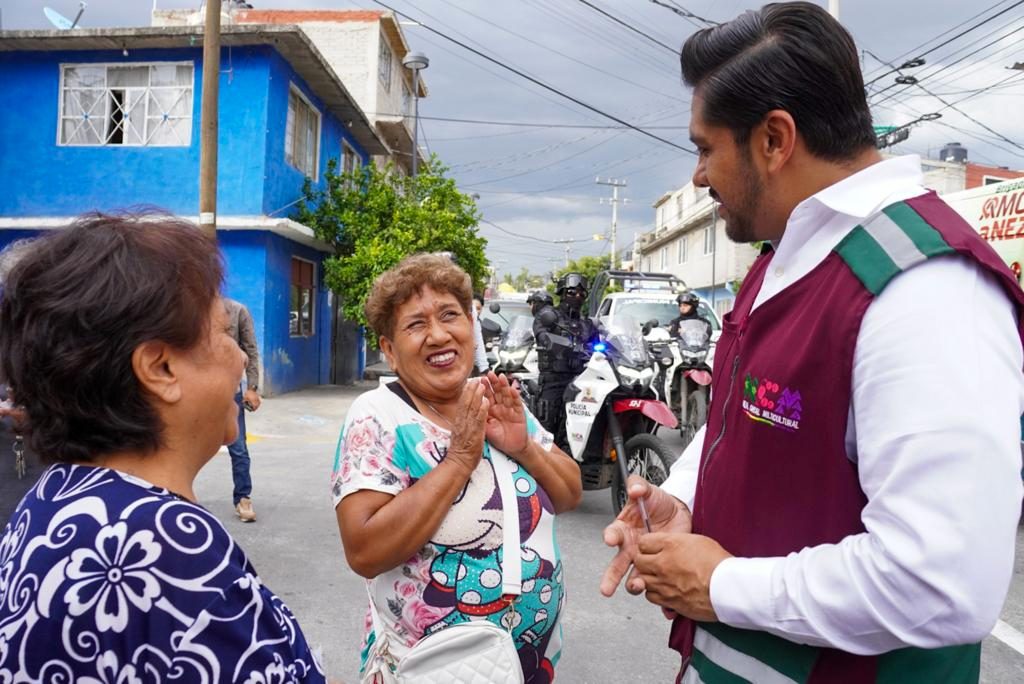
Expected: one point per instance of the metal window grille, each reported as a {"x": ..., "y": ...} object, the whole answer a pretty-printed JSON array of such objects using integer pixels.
[
  {"x": 126, "y": 104},
  {"x": 302, "y": 135},
  {"x": 384, "y": 59}
]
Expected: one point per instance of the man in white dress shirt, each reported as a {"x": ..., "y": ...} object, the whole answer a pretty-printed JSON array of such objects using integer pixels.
[{"x": 850, "y": 510}]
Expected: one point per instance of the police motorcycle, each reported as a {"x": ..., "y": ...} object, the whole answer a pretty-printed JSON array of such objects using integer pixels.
[
  {"x": 514, "y": 350},
  {"x": 612, "y": 409},
  {"x": 684, "y": 376}
]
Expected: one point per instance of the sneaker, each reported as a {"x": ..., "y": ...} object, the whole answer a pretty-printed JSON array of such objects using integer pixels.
[{"x": 244, "y": 510}]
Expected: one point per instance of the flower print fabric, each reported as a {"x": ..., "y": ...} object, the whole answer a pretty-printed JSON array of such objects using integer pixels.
[
  {"x": 386, "y": 446},
  {"x": 105, "y": 578}
]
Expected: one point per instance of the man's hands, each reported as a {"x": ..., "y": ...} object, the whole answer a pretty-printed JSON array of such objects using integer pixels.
[
  {"x": 675, "y": 570},
  {"x": 670, "y": 564},
  {"x": 252, "y": 398},
  {"x": 667, "y": 514}
]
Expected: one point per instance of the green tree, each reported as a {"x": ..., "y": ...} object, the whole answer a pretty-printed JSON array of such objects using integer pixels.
[
  {"x": 588, "y": 266},
  {"x": 373, "y": 218}
]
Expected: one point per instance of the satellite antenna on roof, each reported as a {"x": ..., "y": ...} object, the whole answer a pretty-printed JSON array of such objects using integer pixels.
[{"x": 62, "y": 22}]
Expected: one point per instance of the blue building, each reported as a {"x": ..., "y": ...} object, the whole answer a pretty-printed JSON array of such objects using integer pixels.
[{"x": 109, "y": 118}]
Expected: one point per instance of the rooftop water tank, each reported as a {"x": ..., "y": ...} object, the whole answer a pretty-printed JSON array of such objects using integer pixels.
[{"x": 954, "y": 152}]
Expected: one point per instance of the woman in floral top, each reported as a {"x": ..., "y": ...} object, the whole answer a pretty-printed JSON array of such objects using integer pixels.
[
  {"x": 114, "y": 338},
  {"x": 416, "y": 497}
]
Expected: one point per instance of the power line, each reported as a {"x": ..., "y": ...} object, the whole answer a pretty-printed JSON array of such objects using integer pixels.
[
  {"x": 599, "y": 30},
  {"x": 678, "y": 9},
  {"x": 562, "y": 54},
  {"x": 536, "y": 124},
  {"x": 944, "y": 67},
  {"x": 947, "y": 42},
  {"x": 541, "y": 83},
  {"x": 960, "y": 111},
  {"x": 948, "y": 31},
  {"x": 517, "y": 235},
  {"x": 629, "y": 26}
]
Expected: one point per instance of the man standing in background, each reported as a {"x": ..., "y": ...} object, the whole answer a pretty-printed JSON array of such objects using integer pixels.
[{"x": 244, "y": 333}]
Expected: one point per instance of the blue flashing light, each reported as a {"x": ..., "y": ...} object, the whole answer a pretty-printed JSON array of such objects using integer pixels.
[{"x": 600, "y": 346}]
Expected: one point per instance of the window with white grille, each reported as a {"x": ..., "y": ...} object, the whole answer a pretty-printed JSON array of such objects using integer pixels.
[
  {"x": 384, "y": 59},
  {"x": 126, "y": 104},
  {"x": 349, "y": 159},
  {"x": 709, "y": 240},
  {"x": 302, "y": 135},
  {"x": 664, "y": 258},
  {"x": 681, "y": 250}
]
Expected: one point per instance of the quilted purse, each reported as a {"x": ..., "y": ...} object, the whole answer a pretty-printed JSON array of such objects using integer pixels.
[{"x": 477, "y": 652}]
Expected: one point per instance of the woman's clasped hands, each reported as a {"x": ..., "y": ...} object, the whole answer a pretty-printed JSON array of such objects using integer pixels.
[{"x": 489, "y": 409}]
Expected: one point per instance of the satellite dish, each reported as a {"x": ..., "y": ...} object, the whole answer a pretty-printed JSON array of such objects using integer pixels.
[{"x": 62, "y": 22}]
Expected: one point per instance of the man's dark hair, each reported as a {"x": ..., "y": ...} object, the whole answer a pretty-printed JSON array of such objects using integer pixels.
[
  {"x": 792, "y": 56},
  {"x": 478, "y": 297},
  {"x": 73, "y": 310}
]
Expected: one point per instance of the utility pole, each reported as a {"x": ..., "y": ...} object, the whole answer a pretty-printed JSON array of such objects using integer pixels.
[
  {"x": 208, "y": 127},
  {"x": 614, "y": 200},
  {"x": 833, "y": 9},
  {"x": 566, "y": 242}
]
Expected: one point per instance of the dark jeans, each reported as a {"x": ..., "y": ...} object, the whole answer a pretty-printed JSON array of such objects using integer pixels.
[{"x": 240, "y": 456}]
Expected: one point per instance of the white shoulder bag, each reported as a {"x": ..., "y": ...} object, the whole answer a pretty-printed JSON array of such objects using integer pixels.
[{"x": 477, "y": 652}]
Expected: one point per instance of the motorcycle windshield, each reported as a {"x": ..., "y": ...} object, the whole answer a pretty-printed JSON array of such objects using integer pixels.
[
  {"x": 693, "y": 335},
  {"x": 519, "y": 333},
  {"x": 624, "y": 334}
]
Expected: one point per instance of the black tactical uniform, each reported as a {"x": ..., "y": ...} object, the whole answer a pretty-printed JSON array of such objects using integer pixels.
[
  {"x": 560, "y": 365},
  {"x": 693, "y": 301}
]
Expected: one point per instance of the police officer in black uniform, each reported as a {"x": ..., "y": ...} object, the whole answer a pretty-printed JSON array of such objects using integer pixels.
[
  {"x": 688, "y": 302},
  {"x": 538, "y": 300},
  {"x": 559, "y": 365}
]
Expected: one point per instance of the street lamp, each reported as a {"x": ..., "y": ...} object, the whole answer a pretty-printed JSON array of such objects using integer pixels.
[{"x": 414, "y": 61}]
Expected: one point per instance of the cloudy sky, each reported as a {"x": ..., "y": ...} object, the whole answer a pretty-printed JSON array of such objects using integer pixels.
[{"x": 536, "y": 183}]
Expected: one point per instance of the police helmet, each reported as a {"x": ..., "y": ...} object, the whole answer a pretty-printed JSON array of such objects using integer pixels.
[
  {"x": 540, "y": 297},
  {"x": 572, "y": 281},
  {"x": 687, "y": 298}
]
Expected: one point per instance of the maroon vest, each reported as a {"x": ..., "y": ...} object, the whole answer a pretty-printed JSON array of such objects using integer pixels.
[{"x": 774, "y": 473}]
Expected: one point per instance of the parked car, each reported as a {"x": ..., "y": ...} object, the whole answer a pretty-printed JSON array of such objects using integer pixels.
[
  {"x": 508, "y": 309},
  {"x": 645, "y": 305}
]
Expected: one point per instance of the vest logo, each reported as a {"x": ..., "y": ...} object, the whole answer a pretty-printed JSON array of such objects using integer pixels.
[{"x": 765, "y": 401}]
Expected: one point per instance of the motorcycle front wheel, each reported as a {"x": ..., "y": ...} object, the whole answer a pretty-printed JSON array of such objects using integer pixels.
[
  {"x": 646, "y": 456},
  {"x": 696, "y": 415}
]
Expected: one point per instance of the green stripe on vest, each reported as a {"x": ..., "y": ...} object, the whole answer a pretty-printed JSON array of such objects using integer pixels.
[
  {"x": 878, "y": 249},
  {"x": 867, "y": 260},
  {"x": 926, "y": 238},
  {"x": 710, "y": 673},
  {"x": 949, "y": 665},
  {"x": 792, "y": 660}
]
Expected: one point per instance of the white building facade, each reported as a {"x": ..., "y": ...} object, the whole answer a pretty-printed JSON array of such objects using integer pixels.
[
  {"x": 689, "y": 241},
  {"x": 365, "y": 49}
]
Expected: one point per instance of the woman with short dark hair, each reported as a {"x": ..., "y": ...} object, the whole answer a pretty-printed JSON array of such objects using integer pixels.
[
  {"x": 416, "y": 482},
  {"x": 113, "y": 337}
]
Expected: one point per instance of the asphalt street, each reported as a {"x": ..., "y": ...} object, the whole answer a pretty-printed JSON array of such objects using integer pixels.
[{"x": 297, "y": 551}]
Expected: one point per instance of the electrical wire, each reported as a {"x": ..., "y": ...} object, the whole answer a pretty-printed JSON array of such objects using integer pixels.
[
  {"x": 947, "y": 42},
  {"x": 943, "y": 67},
  {"x": 629, "y": 26},
  {"x": 681, "y": 11},
  {"x": 579, "y": 102},
  {"x": 944, "y": 33},
  {"x": 962, "y": 112},
  {"x": 533, "y": 124},
  {"x": 606, "y": 38},
  {"x": 564, "y": 55}
]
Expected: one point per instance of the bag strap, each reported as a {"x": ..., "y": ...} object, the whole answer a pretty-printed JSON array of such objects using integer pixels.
[{"x": 511, "y": 556}]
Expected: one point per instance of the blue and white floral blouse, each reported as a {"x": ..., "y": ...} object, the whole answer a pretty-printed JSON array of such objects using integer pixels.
[{"x": 105, "y": 579}]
